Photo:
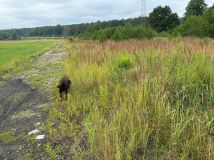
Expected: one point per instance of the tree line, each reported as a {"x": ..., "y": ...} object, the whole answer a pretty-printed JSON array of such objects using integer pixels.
[
  {"x": 198, "y": 21},
  {"x": 64, "y": 30}
]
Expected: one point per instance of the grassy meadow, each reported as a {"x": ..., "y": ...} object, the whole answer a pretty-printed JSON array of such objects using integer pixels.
[
  {"x": 13, "y": 52},
  {"x": 151, "y": 99}
]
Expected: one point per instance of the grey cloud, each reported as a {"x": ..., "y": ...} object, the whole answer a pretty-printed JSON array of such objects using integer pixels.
[{"x": 31, "y": 13}]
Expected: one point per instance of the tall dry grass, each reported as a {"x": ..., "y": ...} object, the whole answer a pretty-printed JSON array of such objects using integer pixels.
[{"x": 159, "y": 106}]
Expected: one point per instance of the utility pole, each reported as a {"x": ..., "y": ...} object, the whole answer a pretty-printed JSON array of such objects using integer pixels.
[{"x": 143, "y": 11}]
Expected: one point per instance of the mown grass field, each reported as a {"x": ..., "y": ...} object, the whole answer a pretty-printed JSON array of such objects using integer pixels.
[
  {"x": 151, "y": 99},
  {"x": 13, "y": 52}
]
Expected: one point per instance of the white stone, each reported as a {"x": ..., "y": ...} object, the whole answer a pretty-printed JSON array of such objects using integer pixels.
[
  {"x": 40, "y": 137},
  {"x": 38, "y": 124},
  {"x": 33, "y": 132}
]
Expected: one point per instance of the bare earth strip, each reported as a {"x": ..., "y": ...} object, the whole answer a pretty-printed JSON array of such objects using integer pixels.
[{"x": 23, "y": 106}]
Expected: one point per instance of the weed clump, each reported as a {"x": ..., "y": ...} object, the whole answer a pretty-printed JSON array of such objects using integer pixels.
[
  {"x": 7, "y": 137},
  {"x": 125, "y": 62}
]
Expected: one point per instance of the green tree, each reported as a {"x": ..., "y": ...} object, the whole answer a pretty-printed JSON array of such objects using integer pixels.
[
  {"x": 58, "y": 30},
  {"x": 96, "y": 26},
  {"x": 13, "y": 36},
  {"x": 128, "y": 30},
  {"x": 195, "y": 8},
  {"x": 192, "y": 26},
  {"x": 118, "y": 34},
  {"x": 66, "y": 31},
  {"x": 141, "y": 32},
  {"x": 209, "y": 17},
  {"x": 162, "y": 19}
]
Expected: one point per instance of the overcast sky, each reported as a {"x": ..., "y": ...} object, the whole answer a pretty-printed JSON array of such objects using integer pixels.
[{"x": 31, "y": 13}]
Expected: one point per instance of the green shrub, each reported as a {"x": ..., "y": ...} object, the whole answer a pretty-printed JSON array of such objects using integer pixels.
[
  {"x": 7, "y": 137},
  {"x": 121, "y": 33},
  {"x": 193, "y": 26},
  {"x": 125, "y": 62},
  {"x": 210, "y": 30}
]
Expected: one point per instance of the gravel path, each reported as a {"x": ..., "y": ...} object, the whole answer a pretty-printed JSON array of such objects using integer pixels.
[{"x": 24, "y": 107}]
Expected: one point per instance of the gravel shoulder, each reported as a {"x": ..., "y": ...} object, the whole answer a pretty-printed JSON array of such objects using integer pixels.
[{"x": 24, "y": 104}]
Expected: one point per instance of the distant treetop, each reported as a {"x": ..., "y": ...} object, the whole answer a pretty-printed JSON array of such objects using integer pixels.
[
  {"x": 195, "y": 8},
  {"x": 162, "y": 19}
]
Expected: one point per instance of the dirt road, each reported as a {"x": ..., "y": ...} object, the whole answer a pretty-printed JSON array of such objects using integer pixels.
[{"x": 24, "y": 103}]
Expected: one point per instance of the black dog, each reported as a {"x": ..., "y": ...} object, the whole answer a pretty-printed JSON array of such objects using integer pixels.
[{"x": 64, "y": 85}]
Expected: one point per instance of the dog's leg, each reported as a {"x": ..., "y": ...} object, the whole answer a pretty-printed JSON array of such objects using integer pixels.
[
  {"x": 61, "y": 96},
  {"x": 66, "y": 94}
]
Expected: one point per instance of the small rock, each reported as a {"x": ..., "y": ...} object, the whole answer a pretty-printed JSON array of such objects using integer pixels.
[
  {"x": 33, "y": 132},
  {"x": 40, "y": 137},
  {"x": 37, "y": 124}
]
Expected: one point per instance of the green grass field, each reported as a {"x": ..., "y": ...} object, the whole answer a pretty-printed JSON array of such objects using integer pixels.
[
  {"x": 15, "y": 51},
  {"x": 149, "y": 99}
]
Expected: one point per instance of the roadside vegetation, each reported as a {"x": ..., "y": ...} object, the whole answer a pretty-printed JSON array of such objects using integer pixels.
[
  {"x": 14, "y": 53},
  {"x": 150, "y": 99}
]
